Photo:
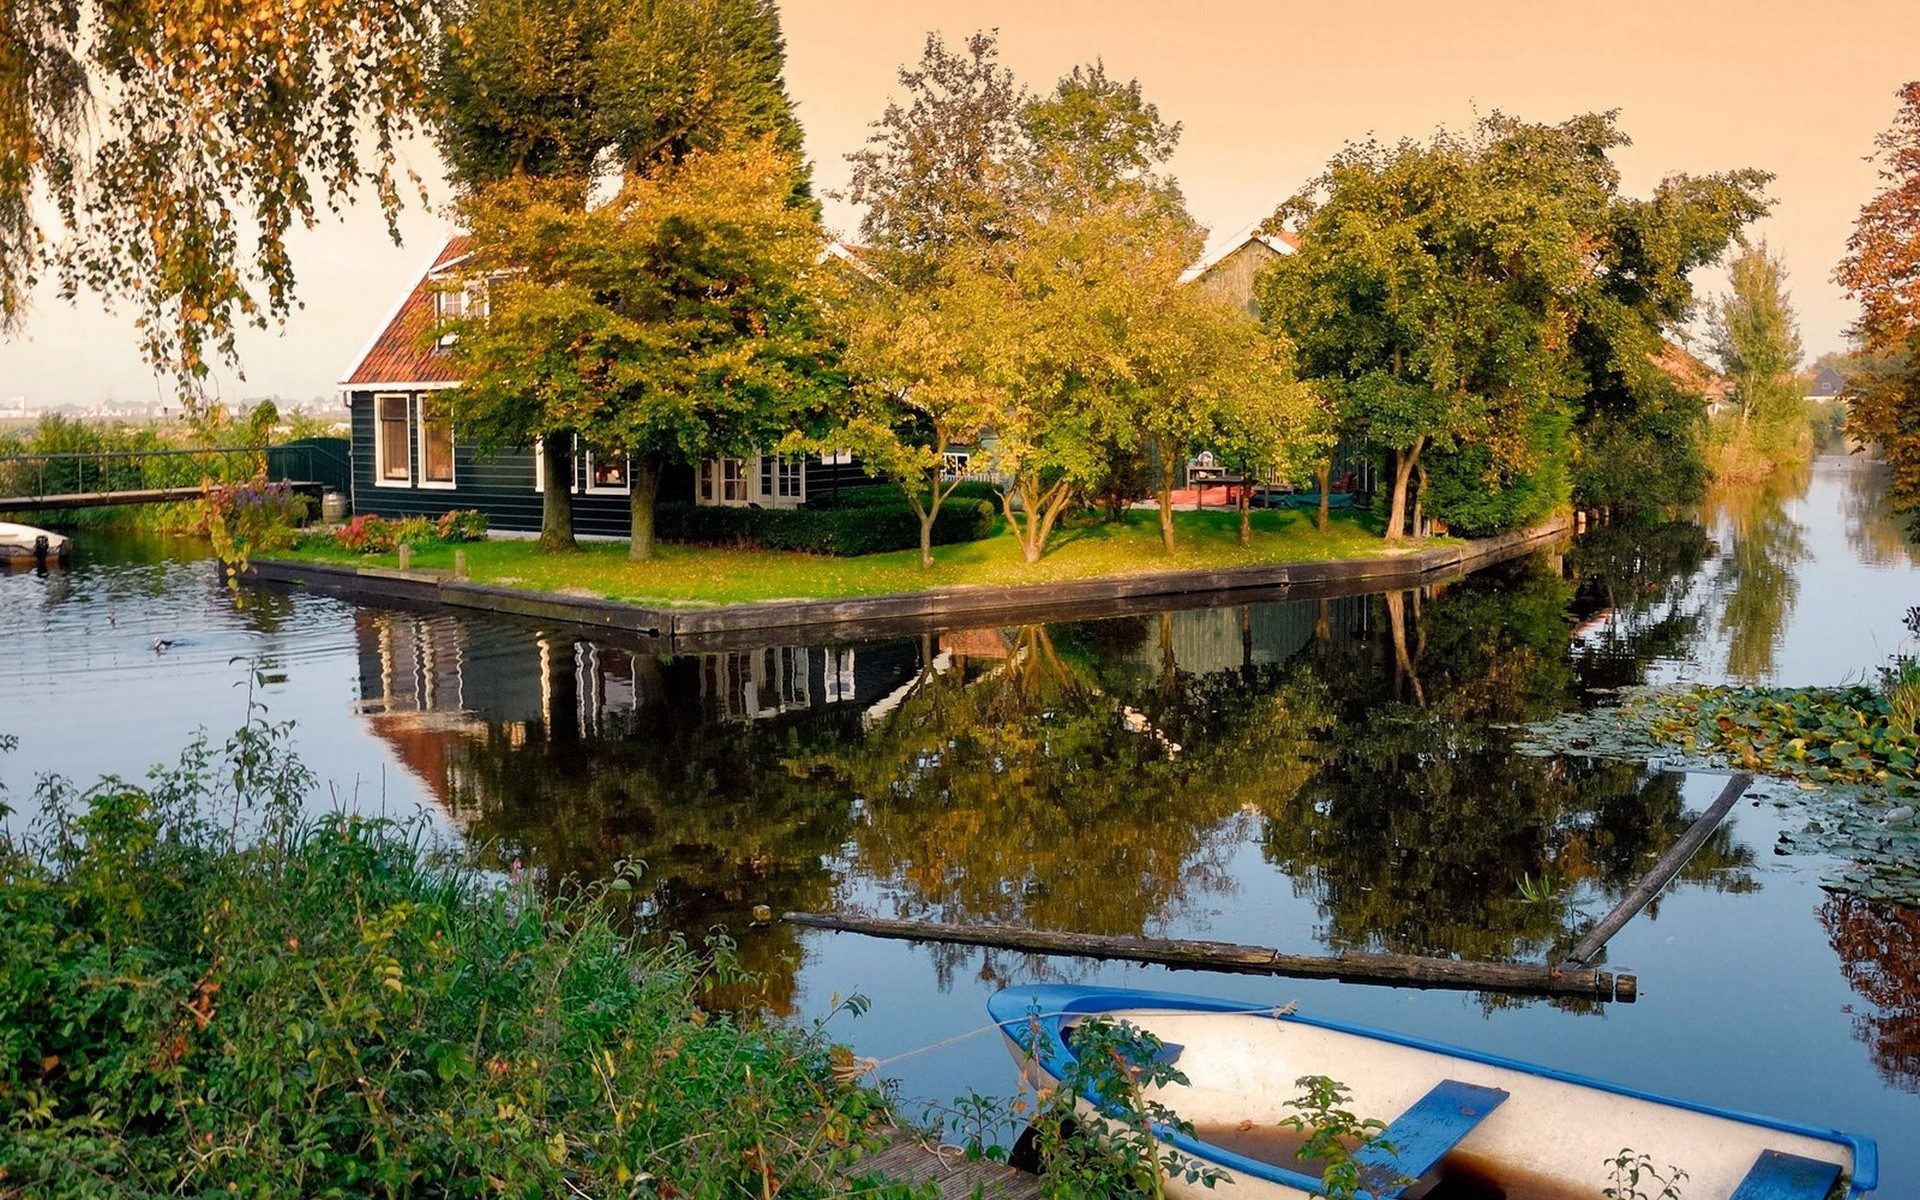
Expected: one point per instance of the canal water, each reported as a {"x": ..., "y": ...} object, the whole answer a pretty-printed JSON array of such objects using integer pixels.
[{"x": 1311, "y": 775}]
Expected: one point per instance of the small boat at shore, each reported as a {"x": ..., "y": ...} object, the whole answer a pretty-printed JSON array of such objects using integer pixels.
[
  {"x": 24, "y": 545},
  {"x": 1459, "y": 1124}
]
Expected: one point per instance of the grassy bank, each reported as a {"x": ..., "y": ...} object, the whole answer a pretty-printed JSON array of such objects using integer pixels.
[
  {"x": 707, "y": 575},
  {"x": 203, "y": 992}
]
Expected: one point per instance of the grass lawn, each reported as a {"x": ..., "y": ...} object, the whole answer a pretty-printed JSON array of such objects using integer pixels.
[{"x": 705, "y": 575}]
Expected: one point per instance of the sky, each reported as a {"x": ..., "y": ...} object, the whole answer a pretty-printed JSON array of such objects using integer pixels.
[{"x": 1265, "y": 92}]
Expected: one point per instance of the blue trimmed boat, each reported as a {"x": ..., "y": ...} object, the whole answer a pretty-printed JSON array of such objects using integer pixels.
[{"x": 1459, "y": 1123}]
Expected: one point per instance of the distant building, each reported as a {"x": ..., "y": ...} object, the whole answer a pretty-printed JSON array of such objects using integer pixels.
[
  {"x": 1827, "y": 384},
  {"x": 1229, "y": 266}
]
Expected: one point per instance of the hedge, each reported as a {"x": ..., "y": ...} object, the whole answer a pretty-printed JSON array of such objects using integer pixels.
[{"x": 845, "y": 531}]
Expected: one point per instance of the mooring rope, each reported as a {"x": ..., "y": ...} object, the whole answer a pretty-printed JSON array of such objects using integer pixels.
[{"x": 860, "y": 1065}]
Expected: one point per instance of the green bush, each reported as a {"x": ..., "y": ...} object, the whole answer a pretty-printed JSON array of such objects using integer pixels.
[
  {"x": 204, "y": 992},
  {"x": 845, "y": 531}
]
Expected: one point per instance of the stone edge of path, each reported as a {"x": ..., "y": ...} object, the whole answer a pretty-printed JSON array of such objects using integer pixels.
[{"x": 734, "y": 626}]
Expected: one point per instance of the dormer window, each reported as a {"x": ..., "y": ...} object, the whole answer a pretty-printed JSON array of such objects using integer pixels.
[{"x": 452, "y": 303}]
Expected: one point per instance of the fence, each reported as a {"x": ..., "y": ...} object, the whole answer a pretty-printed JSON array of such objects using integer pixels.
[{"x": 97, "y": 476}]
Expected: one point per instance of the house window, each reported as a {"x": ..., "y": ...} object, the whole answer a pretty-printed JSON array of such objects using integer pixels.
[
  {"x": 783, "y": 477},
  {"x": 777, "y": 480},
  {"x": 390, "y": 440},
  {"x": 723, "y": 481},
  {"x": 436, "y": 444},
  {"x": 955, "y": 464},
  {"x": 609, "y": 474}
]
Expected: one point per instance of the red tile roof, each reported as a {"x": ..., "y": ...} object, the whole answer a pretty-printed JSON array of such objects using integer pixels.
[{"x": 401, "y": 352}]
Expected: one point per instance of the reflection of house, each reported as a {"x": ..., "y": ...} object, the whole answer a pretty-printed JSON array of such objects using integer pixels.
[
  {"x": 470, "y": 676},
  {"x": 1204, "y": 640},
  {"x": 406, "y": 460}
]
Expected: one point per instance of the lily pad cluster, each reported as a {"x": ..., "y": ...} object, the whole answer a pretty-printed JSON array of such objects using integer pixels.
[
  {"x": 1827, "y": 735},
  {"x": 1845, "y": 763}
]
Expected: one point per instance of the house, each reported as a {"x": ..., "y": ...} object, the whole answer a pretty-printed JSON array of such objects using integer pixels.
[
  {"x": 1230, "y": 264},
  {"x": 407, "y": 461}
]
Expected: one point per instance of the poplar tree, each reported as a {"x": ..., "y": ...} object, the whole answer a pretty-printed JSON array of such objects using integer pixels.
[{"x": 1753, "y": 333}]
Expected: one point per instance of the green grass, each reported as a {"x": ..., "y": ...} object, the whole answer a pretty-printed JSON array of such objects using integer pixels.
[{"x": 699, "y": 575}]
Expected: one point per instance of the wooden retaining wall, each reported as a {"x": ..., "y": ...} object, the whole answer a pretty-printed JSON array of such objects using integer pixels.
[{"x": 856, "y": 618}]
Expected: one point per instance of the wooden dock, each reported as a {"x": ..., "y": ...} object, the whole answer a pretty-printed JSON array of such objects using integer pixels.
[{"x": 909, "y": 1158}]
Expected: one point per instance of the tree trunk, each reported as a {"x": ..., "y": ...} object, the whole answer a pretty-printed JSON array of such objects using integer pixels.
[
  {"x": 645, "y": 481},
  {"x": 1246, "y": 514},
  {"x": 1164, "y": 494},
  {"x": 1323, "y": 474},
  {"x": 1419, "y": 499},
  {"x": 1403, "y": 464},
  {"x": 556, "y": 500}
]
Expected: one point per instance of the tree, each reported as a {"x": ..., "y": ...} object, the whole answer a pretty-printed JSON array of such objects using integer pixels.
[
  {"x": 919, "y": 390},
  {"x": 584, "y": 94},
  {"x": 1753, "y": 333},
  {"x": 937, "y": 171},
  {"x": 1425, "y": 296},
  {"x": 1486, "y": 306},
  {"x": 670, "y": 324},
  {"x": 1882, "y": 271},
  {"x": 1030, "y": 249},
  {"x": 180, "y": 142},
  {"x": 1200, "y": 373}
]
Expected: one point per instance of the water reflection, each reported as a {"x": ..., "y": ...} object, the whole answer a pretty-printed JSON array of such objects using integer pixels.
[
  {"x": 1097, "y": 776},
  {"x": 1879, "y": 949},
  {"x": 1873, "y": 532},
  {"x": 1762, "y": 545}
]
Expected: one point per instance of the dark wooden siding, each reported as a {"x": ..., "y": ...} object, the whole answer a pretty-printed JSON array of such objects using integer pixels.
[{"x": 502, "y": 486}]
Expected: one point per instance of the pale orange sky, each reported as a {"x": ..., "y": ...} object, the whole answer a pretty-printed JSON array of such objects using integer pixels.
[{"x": 1266, "y": 93}]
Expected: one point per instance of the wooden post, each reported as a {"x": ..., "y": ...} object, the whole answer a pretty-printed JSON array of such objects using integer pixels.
[
  {"x": 460, "y": 564},
  {"x": 1664, "y": 869},
  {"x": 1400, "y": 970},
  {"x": 406, "y": 557}
]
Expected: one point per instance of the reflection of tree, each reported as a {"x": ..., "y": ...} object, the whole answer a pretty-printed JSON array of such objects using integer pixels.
[
  {"x": 709, "y": 807},
  {"x": 1022, "y": 790},
  {"x": 1417, "y": 832},
  {"x": 1756, "y": 573},
  {"x": 1879, "y": 949},
  {"x": 1873, "y": 532},
  {"x": 1632, "y": 580}
]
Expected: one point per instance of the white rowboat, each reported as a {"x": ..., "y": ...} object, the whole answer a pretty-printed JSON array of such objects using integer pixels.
[
  {"x": 1459, "y": 1123},
  {"x": 24, "y": 544}
]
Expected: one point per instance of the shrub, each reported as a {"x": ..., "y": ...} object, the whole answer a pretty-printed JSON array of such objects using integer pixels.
[
  {"x": 331, "y": 1006},
  {"x": 367, "y": 534},
  {"x": 418, "y": 532},
  {"x": 462, "y": 525},
  {"x": 843, "y": 531}
]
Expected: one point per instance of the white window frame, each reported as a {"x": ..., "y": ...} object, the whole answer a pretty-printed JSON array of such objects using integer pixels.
[
  {"x": 709, "y": 482},
  {"x": 380, "y": 476},
  {"x": 780, "y": 468},
  {"x": 622, "y": 489},
  {"x": 420, "y": 439}
]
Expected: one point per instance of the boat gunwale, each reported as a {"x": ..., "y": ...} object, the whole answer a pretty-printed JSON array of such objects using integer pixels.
[{"x": 1058, "y": 1002}]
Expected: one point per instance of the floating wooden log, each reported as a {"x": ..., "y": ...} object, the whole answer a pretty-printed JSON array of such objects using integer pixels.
[
  {"x": 1400, "y": 970},
  {"x": 1664, "y": 869}
]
